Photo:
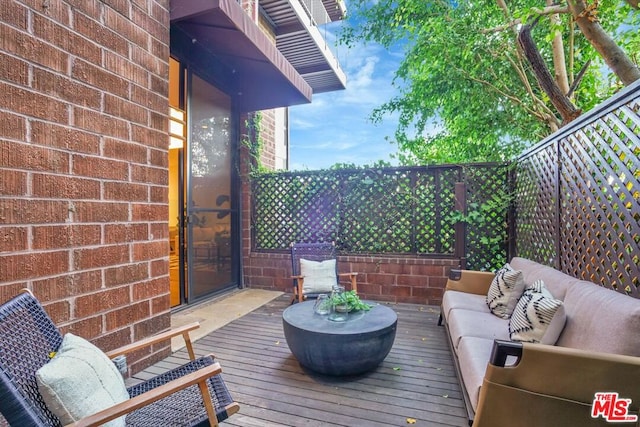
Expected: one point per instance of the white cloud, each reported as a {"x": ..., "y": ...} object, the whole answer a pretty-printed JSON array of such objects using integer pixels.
[
  {"x": 335, "y": 127},
  {"x": 301, "y": 123}
]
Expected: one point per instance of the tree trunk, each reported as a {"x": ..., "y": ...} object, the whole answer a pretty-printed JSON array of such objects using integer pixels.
[
  {"x": 613, "y": 55},
  {"x": 563, "y": 105},
  {"x": 559, "y": 64}
]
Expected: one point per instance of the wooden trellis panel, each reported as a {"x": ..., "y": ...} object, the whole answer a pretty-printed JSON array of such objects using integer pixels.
[
  {"x": 536, "y": 204},
  {"x": 487, "y": 188},
  {"x": 594, "y": 231},
  {"x": 398, "y": 211}
]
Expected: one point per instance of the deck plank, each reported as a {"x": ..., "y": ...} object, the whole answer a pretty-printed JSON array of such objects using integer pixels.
[{"x": 417, "y": 379}]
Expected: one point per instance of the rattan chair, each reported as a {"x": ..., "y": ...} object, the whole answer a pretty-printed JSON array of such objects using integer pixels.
[
  {"x": 174, "y": 398},
  {"x": 314, "y": 252}
]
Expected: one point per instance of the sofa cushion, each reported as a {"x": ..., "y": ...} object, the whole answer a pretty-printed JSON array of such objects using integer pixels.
[
  {"x": 79, "y": 381},
  {"x": 538, "y": 316},
  {"x": 464, "y": 300},
  {"x": 473, "y": 356},
  {"x": 555, "y": 281},
  {"x": 602, "y": 320},
  {"x": 504, "y": 292},
  {"x": 467, "y": 323}
]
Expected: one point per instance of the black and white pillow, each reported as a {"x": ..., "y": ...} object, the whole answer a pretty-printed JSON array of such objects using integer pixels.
[
  {"x": 505, "y": 290},
  {"x": 538, "y": 317}
]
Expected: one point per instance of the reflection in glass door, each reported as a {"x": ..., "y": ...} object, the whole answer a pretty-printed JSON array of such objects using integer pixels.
[{"x": 208, "y": 198}]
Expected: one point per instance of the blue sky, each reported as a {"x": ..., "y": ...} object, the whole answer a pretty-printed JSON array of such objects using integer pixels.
[{"x": 335, "y": 126}]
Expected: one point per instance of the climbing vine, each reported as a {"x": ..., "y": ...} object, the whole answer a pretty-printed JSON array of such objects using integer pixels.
[{"x": 254, "y": 142}]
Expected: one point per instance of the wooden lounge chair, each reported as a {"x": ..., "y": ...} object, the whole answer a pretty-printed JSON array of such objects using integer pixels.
[
  {"x": 193, "y": 394},
  {"x": 316, "y": 253}
]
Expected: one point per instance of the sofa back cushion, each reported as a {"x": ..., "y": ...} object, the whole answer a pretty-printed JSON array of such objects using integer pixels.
[
  {"x": 555, "y": 281},
  {"x": 600, "y": 319}
]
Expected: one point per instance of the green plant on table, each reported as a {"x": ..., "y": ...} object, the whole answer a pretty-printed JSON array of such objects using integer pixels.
[{"x": 349, "y": 299}]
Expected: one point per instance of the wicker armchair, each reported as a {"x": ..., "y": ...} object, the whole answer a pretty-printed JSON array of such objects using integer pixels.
[
  {"x": 314, "y": 252},
  {"x": 174, "y": 398}
]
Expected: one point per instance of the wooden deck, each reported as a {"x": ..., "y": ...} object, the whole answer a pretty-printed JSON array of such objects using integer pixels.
[{"x": 416, "y": 381}]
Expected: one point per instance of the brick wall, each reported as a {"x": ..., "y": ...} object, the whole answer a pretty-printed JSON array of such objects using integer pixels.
[
  {"x": 413, "y": 280},
  {"x": 267, "y": 134},
  {"x": 83, "y": 165}
]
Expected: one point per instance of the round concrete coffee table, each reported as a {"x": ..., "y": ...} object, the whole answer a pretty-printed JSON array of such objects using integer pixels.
[{"x": 351, "y": 347}]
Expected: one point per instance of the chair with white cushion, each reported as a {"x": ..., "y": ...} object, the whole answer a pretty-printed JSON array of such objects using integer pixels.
[
  {"x": 47, "y": 379},
  {"x": 315, "y": 270}
]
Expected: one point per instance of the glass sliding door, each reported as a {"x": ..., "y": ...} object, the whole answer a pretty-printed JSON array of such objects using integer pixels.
[
  {"x": 177, "y": 147},
  {"x": 209, "y": 210}
]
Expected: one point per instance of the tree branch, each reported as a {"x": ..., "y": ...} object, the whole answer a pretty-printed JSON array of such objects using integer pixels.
[
  {"x": 557, "y": 44},
  {"x": 501, "y": 92},
  {"x": 578, "y": 79},
  {"x": 603, "y": 43},
  {"x": 549, "y": 10},
  {"x": 563, "y": 105},
  {"x": 545, "y": 112}
]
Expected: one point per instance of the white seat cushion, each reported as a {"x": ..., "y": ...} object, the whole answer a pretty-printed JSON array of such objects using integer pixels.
[
  {"x": 79, "y": 381},
  {"x": 467, "y": 323},
  {"x": 473, "y": 355},
  {"x": 464, "y": 300}
]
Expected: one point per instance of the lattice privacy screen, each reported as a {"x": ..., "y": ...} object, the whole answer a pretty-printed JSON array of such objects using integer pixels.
[
  {"x": 383, "y": 211},
  {"x": 578, "y": 197}
]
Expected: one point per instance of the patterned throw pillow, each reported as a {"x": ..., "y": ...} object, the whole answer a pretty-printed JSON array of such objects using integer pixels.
[
  {"x": 504, "y": 292},
  {"x": 538, "y": 316}
]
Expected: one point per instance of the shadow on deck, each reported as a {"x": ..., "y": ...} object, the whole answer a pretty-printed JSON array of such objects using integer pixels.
[{"x": 416, "y": 381}]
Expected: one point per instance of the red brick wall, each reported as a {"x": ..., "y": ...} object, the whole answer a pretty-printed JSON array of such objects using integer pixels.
[
  {"x": 413, "y": 280},
  {"x": 83, "y": 165},
  {"x": 268, "y": 137}
]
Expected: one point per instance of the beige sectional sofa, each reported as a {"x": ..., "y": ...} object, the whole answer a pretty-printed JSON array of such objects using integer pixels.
[{"x": 598, "y": 350}]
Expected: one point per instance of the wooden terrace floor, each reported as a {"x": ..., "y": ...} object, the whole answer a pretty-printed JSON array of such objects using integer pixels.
[{"x": 416, "y": 381}]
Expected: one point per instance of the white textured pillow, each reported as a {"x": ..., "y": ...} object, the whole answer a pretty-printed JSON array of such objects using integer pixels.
[
  {"x": 319, "y": 276},
  {"x": 505, "y": 290},
  {"x": 79, "y": 381},
  {"x": 538, "y": 316}
]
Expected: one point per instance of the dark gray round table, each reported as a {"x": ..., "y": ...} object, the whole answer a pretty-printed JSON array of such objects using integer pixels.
[{"x": 339, "y": 348}]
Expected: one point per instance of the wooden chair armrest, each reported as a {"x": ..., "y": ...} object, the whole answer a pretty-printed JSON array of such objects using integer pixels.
[
  {"x": 149, "y": 397},
  {"x": 298, "y": 282},
  {"x": 351, "y": 274},
  {"x": 163, "y": 336},
  {"x": 352, "y": 279}
]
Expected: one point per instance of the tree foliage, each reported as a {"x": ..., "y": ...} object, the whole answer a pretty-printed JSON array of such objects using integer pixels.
[{"x": 464, "y": 70}]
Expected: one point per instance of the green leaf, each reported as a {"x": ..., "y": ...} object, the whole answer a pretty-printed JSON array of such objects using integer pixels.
[{"x": 466, "y": 91}]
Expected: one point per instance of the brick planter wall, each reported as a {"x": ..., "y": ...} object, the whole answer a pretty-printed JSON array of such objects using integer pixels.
[
  {"x": 414, "y": 280},
  {"x": 83, "y": 165}
]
